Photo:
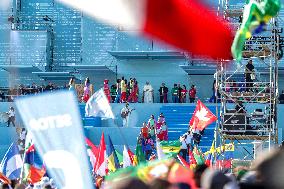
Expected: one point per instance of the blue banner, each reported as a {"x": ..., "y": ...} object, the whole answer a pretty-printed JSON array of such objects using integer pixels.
[{"x": 54, "y": 123}]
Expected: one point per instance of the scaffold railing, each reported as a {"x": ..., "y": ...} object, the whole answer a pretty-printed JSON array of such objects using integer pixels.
[{"x": 249, "y": 98}]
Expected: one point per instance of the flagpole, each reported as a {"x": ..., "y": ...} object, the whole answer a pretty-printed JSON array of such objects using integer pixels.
[
  {"x": 217, "y": 113},
  {"x": 22, "y": 170}
]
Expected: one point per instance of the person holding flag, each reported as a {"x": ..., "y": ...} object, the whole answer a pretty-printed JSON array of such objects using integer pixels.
[
  {"x": 202, "y": 117},
  {"x": 185, "y": 144}
]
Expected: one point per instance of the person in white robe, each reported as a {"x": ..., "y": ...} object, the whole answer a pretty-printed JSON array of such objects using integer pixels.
[{"x": 148, "y": 93}]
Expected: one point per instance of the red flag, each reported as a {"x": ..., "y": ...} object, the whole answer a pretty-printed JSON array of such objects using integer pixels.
[
  {"x": 202, "y": 117},
  {"x": 189, "y": 25},
  {"x": 186, "y": 24},
  {"x": 192, "y": 160},
  {"x": 222, "y": 164},
  {"x": 101, "y": 163},
  {"x": 131, "y": 156},
  {"x": 4, "y": 179}
]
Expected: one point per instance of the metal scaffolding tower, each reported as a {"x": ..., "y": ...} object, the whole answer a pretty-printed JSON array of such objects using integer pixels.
[{"x": 248, "y": 111}]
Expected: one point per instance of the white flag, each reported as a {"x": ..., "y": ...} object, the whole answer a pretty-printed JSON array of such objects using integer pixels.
[
  {"x": 98, "y": 106},
  {"x": 160, "y": 153},
  {"x": 126, "y": 158}
]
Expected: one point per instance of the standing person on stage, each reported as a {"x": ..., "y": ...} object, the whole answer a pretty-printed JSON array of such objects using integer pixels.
[
  {"x": 192, "y": 94},
  {"x": 133, "y": 91},
  {"x": 72, "y": 84},
  {"x": 249, "y": 75},
  {"x": 183, "y": 94},
  {"x": 118, "y": 91},
  {"x": 113, "y": 92},
  {"x": 148, "y": 93},
  {"x": 106, "y": 90},
  {"x": 12, "y": 118},
  {"x": 123, "y": 87},
  {"x": 175, "y": 94},
  {"x": 163, "y": 93},
  {"x": 179, "y": 93},
  {"x": 87, "y": 91},
  {"x": 125, "y": 113}
]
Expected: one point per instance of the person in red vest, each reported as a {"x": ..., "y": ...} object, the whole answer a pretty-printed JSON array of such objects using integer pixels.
[
  {"x": 133, "y": 97},
  {"x": 87, "y": 91},
  {"x": 192, "y": 94},
  {"x": 183, "y": 94}
]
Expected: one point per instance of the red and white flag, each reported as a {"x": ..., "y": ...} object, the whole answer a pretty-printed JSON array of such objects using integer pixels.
[
  {"x": 92, "y": 152},
  {"x": 202, "y": 117},
  {"x": 101, "y": 163},
  {"x": 186, "y": 24}
]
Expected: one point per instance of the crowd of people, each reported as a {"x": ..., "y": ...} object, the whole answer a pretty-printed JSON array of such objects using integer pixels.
[
  {"x": 264, "y": 173},
  {"x": 122, "y": 91},
  {"x": 152, "y": 131},
  {"x": 128, "y": 91},
  {"x": 20, "y": 90}
]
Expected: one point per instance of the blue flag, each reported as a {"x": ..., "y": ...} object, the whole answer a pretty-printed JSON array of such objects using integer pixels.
[
  {"x": 12, "y": 163},
  {"x": 113, "y": 163},
  {"x": 56, "y": 129}
]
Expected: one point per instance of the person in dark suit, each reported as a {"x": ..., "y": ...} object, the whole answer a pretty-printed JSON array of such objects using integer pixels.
[
  {"x": 163, "y": 93},
  {"x": 249, "y": 75}
]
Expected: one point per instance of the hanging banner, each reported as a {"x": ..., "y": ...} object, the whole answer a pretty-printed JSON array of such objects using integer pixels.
[{"x": 56, "y": 128}]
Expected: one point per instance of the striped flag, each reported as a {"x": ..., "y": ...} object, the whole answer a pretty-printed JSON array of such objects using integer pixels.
[
  {"x": 185, "y": 24},
  {"x": 113, "y": 163},
  {"x": 12, "y": 162}
]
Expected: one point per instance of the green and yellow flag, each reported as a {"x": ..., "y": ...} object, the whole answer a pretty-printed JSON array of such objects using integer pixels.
[{"x": 170, "y": 148}]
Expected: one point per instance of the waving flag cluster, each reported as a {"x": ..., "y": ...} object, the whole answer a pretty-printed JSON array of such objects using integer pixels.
[
  {"x": 202, "y": 117},
  {"x": 101, "y": 167},
  {"x": 183, "y": 24}
]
